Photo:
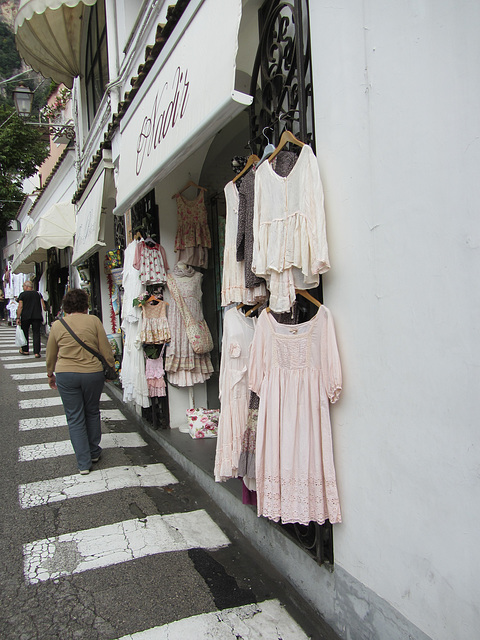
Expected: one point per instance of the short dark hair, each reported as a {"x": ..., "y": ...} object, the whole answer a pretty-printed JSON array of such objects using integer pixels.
[{"x": 75, "y": 301}]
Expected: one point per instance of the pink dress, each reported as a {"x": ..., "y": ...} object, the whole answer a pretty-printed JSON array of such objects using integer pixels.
[{"x": 295, "y": 369}]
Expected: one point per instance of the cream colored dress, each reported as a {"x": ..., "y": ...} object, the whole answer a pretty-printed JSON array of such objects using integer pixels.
[
  {"x": 233, "y": 277},
  {"x": 295, "y": 369},
  {"x": 234, "y": 394},
  {"x": 290, "y": 242}
]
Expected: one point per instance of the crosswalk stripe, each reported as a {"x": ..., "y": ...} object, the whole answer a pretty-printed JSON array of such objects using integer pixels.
[
  {"x": 18, "y": 357},
  {"x": 34, "y": 403},
  {"x": 24, "y": 388},
  {"x": 262, "y": 620},
  {"x": 27, "y": 424},
  {"x": 29, "y": 376},
  {"x": 25, "y": 365},
  {"x": 102, "y": 480},
  {"x": 44, "y": 450},
  {"x": 10, "y": 350},
  {"x": 104, "y": 546}
]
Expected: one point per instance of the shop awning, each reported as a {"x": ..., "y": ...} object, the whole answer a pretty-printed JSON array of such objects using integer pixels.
[
  {"x": 54, "y": 228},
  {"x": 90, "y": 218},
  {"x": 187, "y": 97},
  {"x": 48, "y": 36}
]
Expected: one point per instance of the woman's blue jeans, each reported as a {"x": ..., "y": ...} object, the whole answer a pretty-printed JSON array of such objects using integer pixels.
[{"x": 80, "y": 393}]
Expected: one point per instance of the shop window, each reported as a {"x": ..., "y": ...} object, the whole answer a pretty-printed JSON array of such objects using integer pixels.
[{"x": 96, "y": 59}]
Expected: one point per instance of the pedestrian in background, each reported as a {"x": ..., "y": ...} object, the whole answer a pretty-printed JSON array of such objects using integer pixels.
[
  {"x": 29, "y": 314},
  {"x": 2, "y": 305},
  {"x": 79, "y": 376}
]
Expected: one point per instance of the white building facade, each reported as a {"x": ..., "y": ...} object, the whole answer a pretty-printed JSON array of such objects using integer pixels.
[{"x": 391, "y": 109}]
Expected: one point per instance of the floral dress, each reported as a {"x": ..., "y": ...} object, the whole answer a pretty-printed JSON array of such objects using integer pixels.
[
  {"x": 155, "y": 325},
  {"x": 234, "y": 394},
  {"x": 184, "y": 367},
  {"x": 151, "y": 262},
  {"x": 192, "y": 240}
]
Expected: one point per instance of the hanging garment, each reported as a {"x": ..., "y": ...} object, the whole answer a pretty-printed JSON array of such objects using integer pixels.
[
  {"x": 238, "y": 331},
  {"x": 295, "y": 369},
  {"x": 132, "y": 285},
  {"x": 233, "y": 276},
  {"x": 183, "y": 366},
  {"x": 132, "y": 374},
  {"x": 155, "y": 324},
  {"x": 192, "y": 240},
  {"x": 151, "y": 262},
  {"x": 155, "y": 375},
  {"x": 290, "y": 242}
]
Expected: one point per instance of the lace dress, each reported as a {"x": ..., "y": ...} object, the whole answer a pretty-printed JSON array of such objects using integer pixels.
[
  {"x": 295, "y": 369},
  {"x": 234, "y": 394},
  {"x": 290, "y": 243},
  {"x": 155, "y": 325},
  {"x": 183, "y": 366},
  {"x": 192, "y": 241},
  {"x": 155, "y": 373}
]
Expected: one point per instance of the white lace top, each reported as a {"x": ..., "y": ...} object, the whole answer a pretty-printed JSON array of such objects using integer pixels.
[{"x": 290, "y": 242}]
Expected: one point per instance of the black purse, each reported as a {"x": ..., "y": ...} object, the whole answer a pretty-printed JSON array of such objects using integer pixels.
[{"x": 109, "y": 372}]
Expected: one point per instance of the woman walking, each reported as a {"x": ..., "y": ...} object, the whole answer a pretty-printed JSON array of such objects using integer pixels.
[
  {"x": 79, "y": 376},
  {"x": 29, "y": 314}
]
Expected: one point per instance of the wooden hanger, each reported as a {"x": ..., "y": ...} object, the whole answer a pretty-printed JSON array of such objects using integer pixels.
[
  {"x": 190, "y": 183},
  {"x": 254, "y": 308},
  {"x": 239, "y": 306},
  {"x": 287, "y": 136},
  {"x": 251, "y": 160},
  {"x": 308, "y": 296}
]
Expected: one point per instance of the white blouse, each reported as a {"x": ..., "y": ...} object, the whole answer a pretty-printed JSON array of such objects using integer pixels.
[{"x": 290, "y": 242}]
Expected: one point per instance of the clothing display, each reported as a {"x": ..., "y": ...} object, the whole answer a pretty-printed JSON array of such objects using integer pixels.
[
  {"x": 233, "y": 277},
  {"x": 183, "y": 366},
  {"x": 132, "y": 375},
  {"x": 155, "y": 325},
  {"x": 192, "y": 240},
  {"x": 151, "y": 262},
  {"x": 290, "y": 245},
  {"x": 234, "y": 394},
  {"x": 295, "y": 369},
  {"x": 155, "y": 375}
]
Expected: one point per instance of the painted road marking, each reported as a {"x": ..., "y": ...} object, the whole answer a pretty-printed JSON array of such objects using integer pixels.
[
  {"x": 18, "y": 357},
  {"x": 27, "y": 424},
  {"x": 102, "y": 480},
  {"x": 267, "y": 619},
  {"x": 29, "y": 376},
  {"x": 34, "y": 403},
  {"x": 64, "y": 447},
  {"x": 9, "y": 350},
  {"x": 25, "y": 365},
  {"x": 24, "y": 388},
  {"x": 73, "y": 553}
]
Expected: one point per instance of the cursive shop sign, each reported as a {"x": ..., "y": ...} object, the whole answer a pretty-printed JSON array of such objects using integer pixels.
[{"x": 168, "y": 108}]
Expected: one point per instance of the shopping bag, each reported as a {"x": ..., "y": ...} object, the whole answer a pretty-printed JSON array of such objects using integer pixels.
[{"x": 20, "y": 340}]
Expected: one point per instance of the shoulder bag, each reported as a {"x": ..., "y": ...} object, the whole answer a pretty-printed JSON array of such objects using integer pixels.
[
  {"x": 198, "y": 333},
  {"x": 109, "y": 372}
]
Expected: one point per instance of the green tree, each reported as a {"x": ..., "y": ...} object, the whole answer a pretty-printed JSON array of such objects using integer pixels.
[{"x": 22, "y": 150}]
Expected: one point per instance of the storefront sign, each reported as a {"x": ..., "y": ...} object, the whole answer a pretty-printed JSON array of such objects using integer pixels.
[
  {"x": 186, "y": 98},
  {"x": 88, "y": 228}
]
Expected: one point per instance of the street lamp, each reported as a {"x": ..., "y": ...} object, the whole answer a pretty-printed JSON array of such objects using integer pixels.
[{"x": 23, "y": 98}]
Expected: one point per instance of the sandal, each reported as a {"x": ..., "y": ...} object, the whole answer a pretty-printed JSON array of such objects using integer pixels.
[
  {"x": 37, "y": 355},
  {"x": 24, "y": 353}
]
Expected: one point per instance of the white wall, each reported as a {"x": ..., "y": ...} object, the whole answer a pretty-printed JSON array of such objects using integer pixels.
[{"x": 397, "y": 95}]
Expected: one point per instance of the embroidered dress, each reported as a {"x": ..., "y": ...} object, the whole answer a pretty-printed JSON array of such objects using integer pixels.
[
  {"x": 290, "y": 242},
  {"x": 183, "y": 366},
  {"x": 151, "y": 262},
  {"x": 234, "y": 394},
  {"x": 233, "y": 276},
  {"x": 155, "y": 325},
  {"x": 295, "y": 369},
  {"x": 193, "y": 235}
]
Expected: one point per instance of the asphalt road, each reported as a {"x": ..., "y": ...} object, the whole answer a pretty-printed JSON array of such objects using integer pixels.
[{"x": 133, "y": 550}]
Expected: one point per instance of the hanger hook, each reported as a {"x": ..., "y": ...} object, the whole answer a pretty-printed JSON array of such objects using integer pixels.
[{"x": 264, "y": 129}]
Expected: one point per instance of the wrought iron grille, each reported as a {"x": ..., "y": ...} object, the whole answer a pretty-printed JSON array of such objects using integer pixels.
[
  {"x": 283, "y": 99},
  {"x": 282, "y": 75}
]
